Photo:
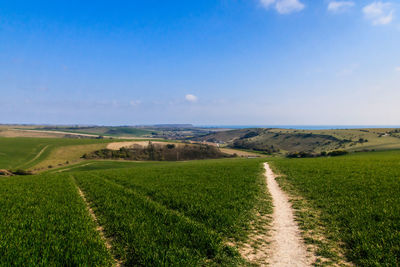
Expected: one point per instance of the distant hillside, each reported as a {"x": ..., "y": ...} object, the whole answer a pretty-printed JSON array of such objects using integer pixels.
[
  {"x": 229, "y": 136},
  {"x": 283, "y": 140}
]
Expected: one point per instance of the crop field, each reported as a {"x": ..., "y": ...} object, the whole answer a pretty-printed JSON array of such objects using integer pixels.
[
  {"x": 24, "y": 153},
  {"x": 90, "y": 165},
  {"x": 175, "y": 213},
  {"x": 357, "y": 197},
  {"x": 44, "y": 222},
  {"x": 153, "y": 213}
]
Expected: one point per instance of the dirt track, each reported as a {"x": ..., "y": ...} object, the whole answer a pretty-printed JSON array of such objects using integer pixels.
[{"x": 286, "y": 245}]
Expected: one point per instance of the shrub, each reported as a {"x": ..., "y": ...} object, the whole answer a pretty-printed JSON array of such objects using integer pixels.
[
  {"x": 337, "y": 153},
  {"x": 22, "y": 172}
]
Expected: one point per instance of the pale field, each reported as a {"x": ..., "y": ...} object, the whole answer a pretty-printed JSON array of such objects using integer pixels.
[
  {"x": 240, "y": 153},
  {"x": 118, "y": 145},
  {"x": 6, "y": 132}
]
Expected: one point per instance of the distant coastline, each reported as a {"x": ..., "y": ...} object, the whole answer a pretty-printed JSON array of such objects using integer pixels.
[{"x": 299, "y": 127}]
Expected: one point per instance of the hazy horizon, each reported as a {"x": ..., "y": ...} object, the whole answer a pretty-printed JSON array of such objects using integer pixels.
[{"x": 257, "y": 62}]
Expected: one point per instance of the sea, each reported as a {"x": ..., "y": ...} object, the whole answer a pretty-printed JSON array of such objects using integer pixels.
[{"x": 298, "y": 127}]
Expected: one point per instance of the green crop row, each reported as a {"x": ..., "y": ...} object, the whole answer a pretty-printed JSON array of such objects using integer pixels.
[
  {"x": 145, "y": 233},
  {"x": 44, "y": 222},
  {"x": 220, "y": 194},
  {"x": 176, "y": 214},
  {"x": 154, "y": 214},
  {"x": 358, "y": 197}
]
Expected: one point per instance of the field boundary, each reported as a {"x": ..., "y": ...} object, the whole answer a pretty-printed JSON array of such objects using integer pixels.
[{"x": 99, "y": 228}]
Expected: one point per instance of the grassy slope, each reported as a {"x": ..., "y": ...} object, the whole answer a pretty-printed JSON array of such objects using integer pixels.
[
  {"x": 22, "y": 152},
  {"x": 44, "y": 222},
  {"x": 175, "y": 213},
  {"x": 15, "y": 152},
  {"x": 357, "y": 197},
  {"x": 320, "y": 140},
  {"x": 59, "y": 156},
  {"x": 376, "y": 137}
]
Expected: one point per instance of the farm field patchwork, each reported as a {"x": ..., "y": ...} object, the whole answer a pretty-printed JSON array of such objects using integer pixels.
[{"x": 357, "y": 197}]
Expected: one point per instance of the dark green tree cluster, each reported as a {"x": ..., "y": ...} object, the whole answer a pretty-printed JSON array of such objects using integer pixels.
[{"x": 160, "y": 152}]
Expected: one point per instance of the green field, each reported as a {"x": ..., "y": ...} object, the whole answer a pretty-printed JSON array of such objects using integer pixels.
[
  {"x": 186, "y": 213},
  {"x": 155, "y": 213},
  {"x": 357, "y": 199},
  {"x": 22, "y": 152},
  {"x": 25, "y": 152},
  {"x": 44, "y": 222},
  {"x": 90, "y": 165},
  {"x": 175, "y": 213}
]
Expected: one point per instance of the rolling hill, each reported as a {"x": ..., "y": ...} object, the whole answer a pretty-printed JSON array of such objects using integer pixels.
[{"x": 314, "y": 141}]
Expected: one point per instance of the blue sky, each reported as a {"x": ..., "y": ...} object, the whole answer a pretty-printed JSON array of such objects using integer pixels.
[{"x": 246, "y": 62}]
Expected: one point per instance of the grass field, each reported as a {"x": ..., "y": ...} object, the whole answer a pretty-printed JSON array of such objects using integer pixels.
[
  {"x": 44, "y": 222},
  {"x": 357, "y": 201},
  {"x": 90, "y": 165},
  {"x": 25, "y": 152},
  {"x": 154, "y": 213},
  {"x": 186, "y": 213},
  {"x": 175, "y": 213}
]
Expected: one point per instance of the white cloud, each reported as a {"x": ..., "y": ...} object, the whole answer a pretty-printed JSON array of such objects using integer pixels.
[
  {"x": 191, "y": 98},
  {"x": 135, "y": 103},
  {"x": 267, "y": 3},
  {"x": 340, "y": 6},
  {"x": 379, "y": 13},
  {"x": 397, "y": 69},
  {"x": 284, "y": 6},
  {"x": 349, "y": 70}
]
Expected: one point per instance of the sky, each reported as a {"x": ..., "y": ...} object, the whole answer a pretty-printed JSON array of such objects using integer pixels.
[{"x": 208, "y": 62}]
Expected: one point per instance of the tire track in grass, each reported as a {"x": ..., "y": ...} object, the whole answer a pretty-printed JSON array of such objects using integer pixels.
[
  {"x": 99, "y": 228},
  {"x": 193, "y": 243},
  {"x": 157, "y": 203},
  {"x": 35, "y": 158}
]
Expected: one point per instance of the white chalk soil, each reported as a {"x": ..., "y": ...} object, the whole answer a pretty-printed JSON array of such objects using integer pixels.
[{"x": 286, "y": 247}]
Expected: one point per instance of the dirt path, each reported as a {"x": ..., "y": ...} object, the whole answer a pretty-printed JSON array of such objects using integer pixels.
[{"x": 286, "y": 245}]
